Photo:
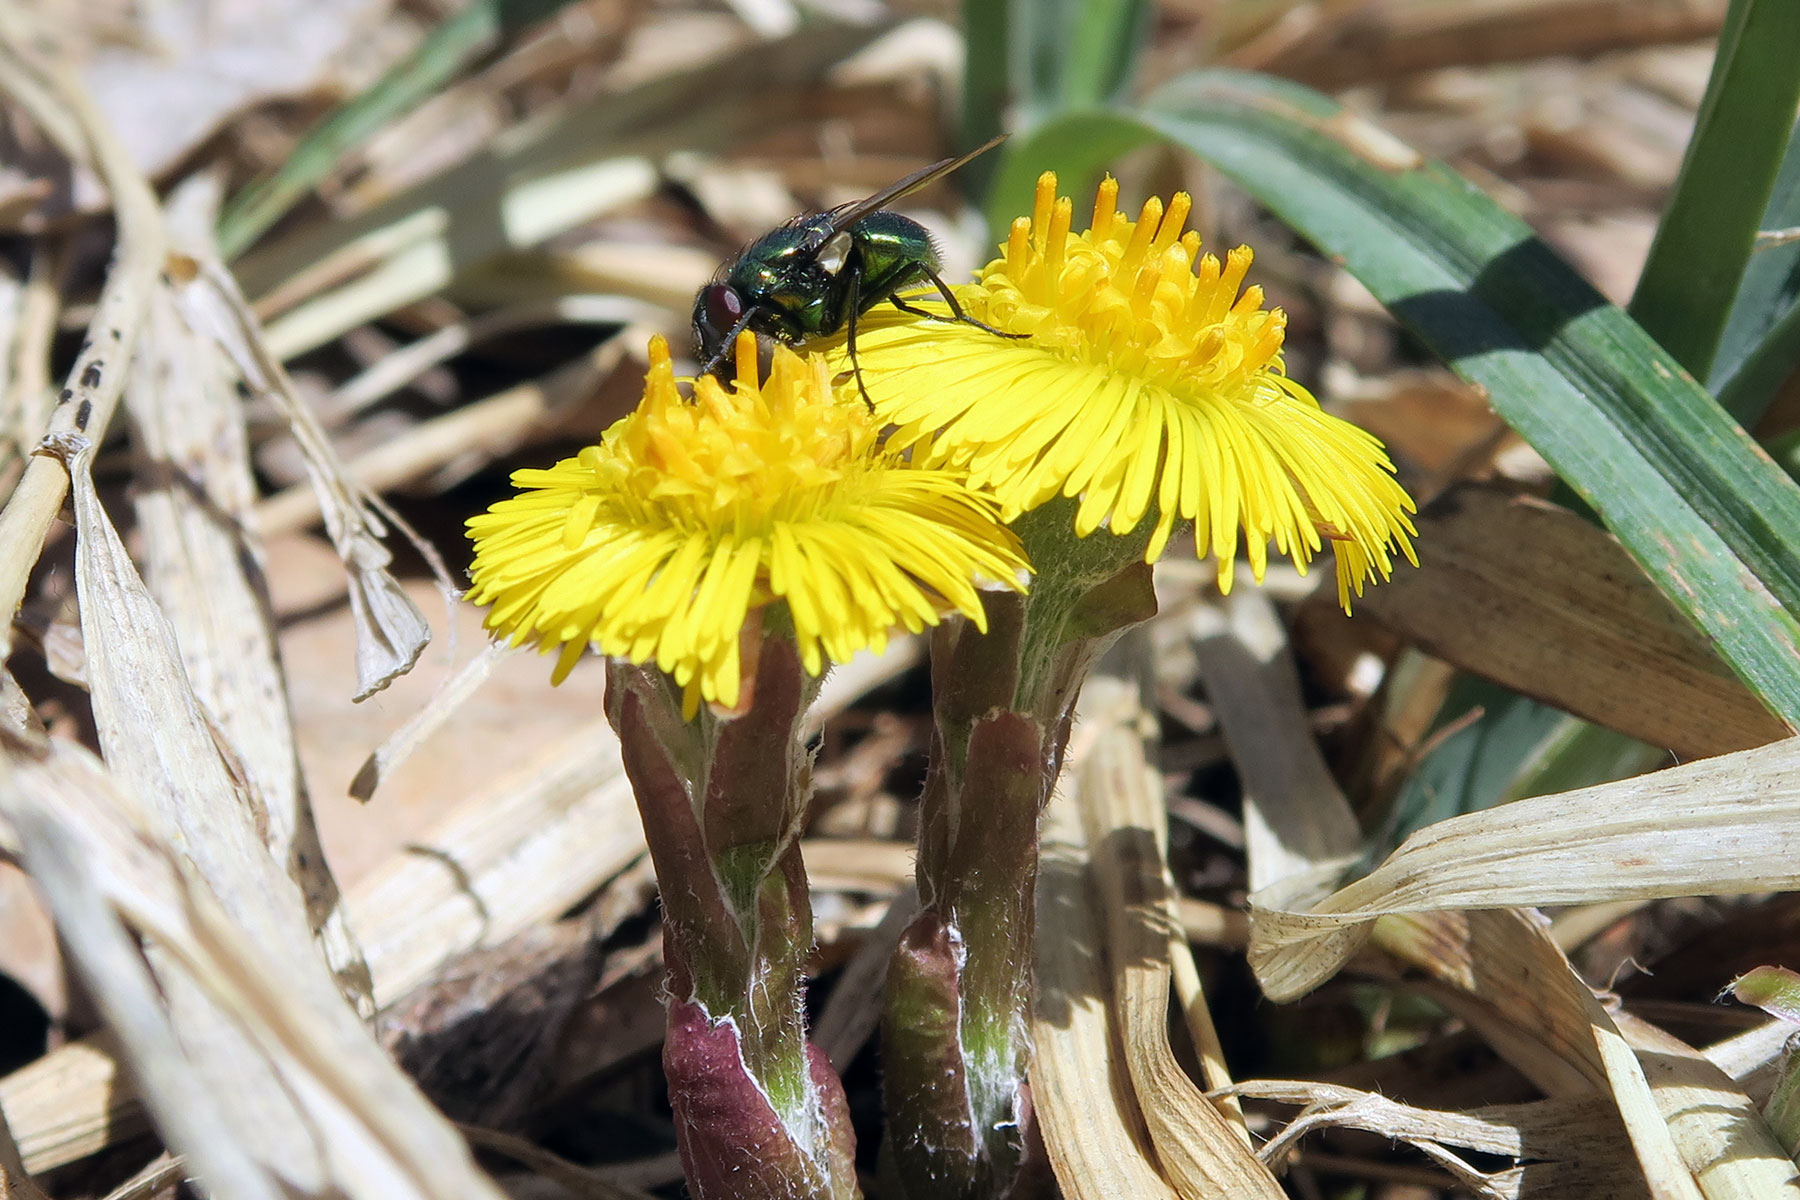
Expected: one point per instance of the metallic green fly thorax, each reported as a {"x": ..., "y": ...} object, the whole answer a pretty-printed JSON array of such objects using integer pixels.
[{"x": 815, "y": 275}]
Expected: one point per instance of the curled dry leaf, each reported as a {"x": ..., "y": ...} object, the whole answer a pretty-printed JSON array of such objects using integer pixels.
[
  {"x": 1724, "y": 825},
  {"x": 1541, "y": 601},
  {"x": 1080, "y": 1086},
  {"x": 1193, "y": 1148},
  {"x": 391, "y": 632},
  {"x": 1572, "y": 1146}
]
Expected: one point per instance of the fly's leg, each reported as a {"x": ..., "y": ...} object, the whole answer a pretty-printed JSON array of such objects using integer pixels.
[
  {"x": 726, "y": 343},
  {"x": 856, "y": 363},
  {"x": 957, "y": 315}
]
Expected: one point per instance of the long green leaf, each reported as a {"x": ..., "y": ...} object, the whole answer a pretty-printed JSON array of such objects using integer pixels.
[
  {"x": 987, "y": 88},
  {"x": 1516, "y": 747},
  {"x": 1686, "y": 491},
  {"x": 444, "y": 52},
  {"x": 1074, "y": 53},
  {"x": 1697, "y": 258},
  {"x": 1761, "y": 344}
]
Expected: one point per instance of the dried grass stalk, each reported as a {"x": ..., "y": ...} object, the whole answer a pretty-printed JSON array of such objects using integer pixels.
[
  {"x": 1573, "y": 1146},
  {"x": 1199, "y": 1148},
  {"x": 1721, "y": 1134},
  {"x": 522, "y": 850},
  {"x": 15, "y": 1184},
  {"x": 1127, "y": 826},
  {"x": 1724, "y": 825},
  {"x": 25, "y": 391},
  {"x": 482, "y": 431},
  {"x": 49, "y": 91},
  {"x": 1502, "y": 973},
  {"x": 391, "y": 633}
]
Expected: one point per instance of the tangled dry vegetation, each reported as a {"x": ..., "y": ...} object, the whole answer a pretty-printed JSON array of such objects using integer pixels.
[{"x": 258, "y": 759}]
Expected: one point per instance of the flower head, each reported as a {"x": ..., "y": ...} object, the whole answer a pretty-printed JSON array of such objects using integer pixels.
[
  {"x": 665, "y": 541},
  {"x": 1136, "y": 380}
]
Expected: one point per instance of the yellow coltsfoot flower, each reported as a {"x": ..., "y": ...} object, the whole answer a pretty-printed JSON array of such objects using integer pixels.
[
  {"x": 1143, "y": 382},
  {"x": 664, "y": 542}
]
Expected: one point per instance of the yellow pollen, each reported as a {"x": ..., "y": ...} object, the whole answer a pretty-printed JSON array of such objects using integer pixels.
[
  {"x": 1044, "y": 201},
  {"x": 1018, "y": 245},
  {"x": 1061, "y": 217},
  {"x": 1141, "y": 236},
  {"x": 1106, "y": 203},
  {"x": 746, "y": 364},
  {"x": 1170, "y": 229}
]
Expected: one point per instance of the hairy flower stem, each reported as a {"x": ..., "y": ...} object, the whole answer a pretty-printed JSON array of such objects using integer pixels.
[
  {"x": 759, "y": 1115},
  {"x": 958, "y": 1005}
]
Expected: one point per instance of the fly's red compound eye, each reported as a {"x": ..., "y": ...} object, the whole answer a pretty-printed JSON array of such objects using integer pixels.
[{"x": 724, "y": 307}]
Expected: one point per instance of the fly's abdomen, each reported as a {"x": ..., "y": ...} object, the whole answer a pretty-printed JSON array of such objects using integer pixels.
[{"x": 895, "y": 250}]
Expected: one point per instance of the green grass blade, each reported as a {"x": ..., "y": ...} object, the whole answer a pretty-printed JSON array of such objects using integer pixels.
[
  {"x": 1761, "y": 344},
  {"x": 1703, "y": 241},
  {"x": 1103, "y": 50},
  {"x": 444, "y": 52},
  {"x": 1685, "y": 490},
  {"x": 1513, "y": 747},
  {"x": 1076, "y": 145},
  {"x": 987, "y": 89},
  {"x": 1074, "y": 53}
]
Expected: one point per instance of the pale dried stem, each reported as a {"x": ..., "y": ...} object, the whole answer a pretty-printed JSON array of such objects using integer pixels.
[
  {"x": 394, "y": 371},
  {"x": 1081, "y": 1089},
  {"x": 490, "y": 428},
  {"x": 28, "y": 367},
  {"x": 443, "y": 704},
  {"x": 97, "y": 377},
  {"x": 1720, "y": 1132}
]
